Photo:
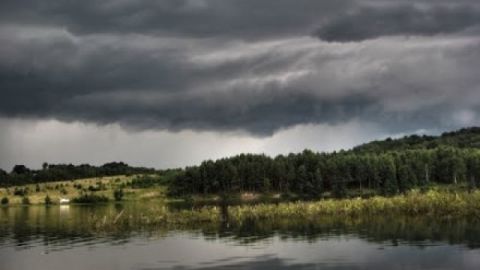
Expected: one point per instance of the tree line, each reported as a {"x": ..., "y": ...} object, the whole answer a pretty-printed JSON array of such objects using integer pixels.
[
  {"x": 312, "y": 174},
  {"x": 21, "y": 174},
  {"x": 463, "y": 138}
]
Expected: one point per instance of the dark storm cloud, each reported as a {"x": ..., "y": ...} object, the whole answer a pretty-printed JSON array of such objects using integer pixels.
[
  {"x": 98, "y": 80},
  {"x": 239, "y": 65},
  {"x": 218, "y": 112},
  {"x": 372, "y": 22},
  {"x": 243, "y": 19}
]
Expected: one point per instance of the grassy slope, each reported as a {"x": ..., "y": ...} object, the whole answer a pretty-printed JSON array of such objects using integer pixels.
[
  {"x": 111, "y": 184},
  {"x": 158, "y": 193}
]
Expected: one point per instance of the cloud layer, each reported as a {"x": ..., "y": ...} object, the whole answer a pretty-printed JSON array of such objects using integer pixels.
[
  {"x": 372, "y": 22},
  {"x": 239, "y": 65}
]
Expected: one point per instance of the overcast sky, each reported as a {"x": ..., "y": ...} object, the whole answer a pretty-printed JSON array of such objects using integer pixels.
[{"x": 169, "y": 83}]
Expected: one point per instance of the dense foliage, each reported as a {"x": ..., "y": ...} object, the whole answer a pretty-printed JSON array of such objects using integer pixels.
[
  {"x": 48, "y": 200},
  {"x": 463, "y": 138},
  {"x": 90, "y": 198},
  {"x": 56, "y": 172},
  {"x": 118, "y": 194},
  {"x": 25, "y": 201},
  {"x": 4, "y": 201},
  {"x": 387, "y": 167},
  {"x": 147, "y": 181}
]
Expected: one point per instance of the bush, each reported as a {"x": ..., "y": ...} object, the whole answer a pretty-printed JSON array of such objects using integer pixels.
[
  {"x": 146, "y": 181},
  {"x": 4, "y": 201},
  {"x": 25, "y": 200},
  {"x": 92, "y": 188},
  {"x": 98, "y": 186},
  {"x": 48, "y": 200},
  {"x": 118, "y": 194},
  {"x": 78, "y": 186},
  {"x": 20, "y": 191},
  {"x": 90, "y": 198}
]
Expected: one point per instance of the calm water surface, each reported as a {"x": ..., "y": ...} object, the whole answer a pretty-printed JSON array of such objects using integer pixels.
[{"x": 58, "y": 238}]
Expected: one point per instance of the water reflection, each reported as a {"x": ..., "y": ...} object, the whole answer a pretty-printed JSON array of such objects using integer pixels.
[{"x": 49, "y": 237}]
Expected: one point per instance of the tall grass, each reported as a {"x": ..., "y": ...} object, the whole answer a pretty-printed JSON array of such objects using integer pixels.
[{"x": 434, "y": 203}]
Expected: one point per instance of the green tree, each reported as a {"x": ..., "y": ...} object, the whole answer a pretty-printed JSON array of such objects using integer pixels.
[
  {"x": 118, "y": 194},
  {"x": 4, "y": 201},
  {"x": 317, "y": 183},
  {"x": 25, "y": 200},
  {"x": 388, "y": 175},
  {"x": 48, "y": 200},
  {"x": 302, "y": 179}
]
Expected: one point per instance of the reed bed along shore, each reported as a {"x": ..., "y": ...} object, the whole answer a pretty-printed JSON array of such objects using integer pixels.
[{"x": 434, "y": 203}]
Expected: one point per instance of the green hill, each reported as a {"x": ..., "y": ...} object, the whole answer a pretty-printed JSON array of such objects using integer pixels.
[
  {"x": 385, "y": 167},
  {"x": 463, "y": 138}
]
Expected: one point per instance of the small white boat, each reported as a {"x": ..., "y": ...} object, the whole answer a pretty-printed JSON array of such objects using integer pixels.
[{"x": 64, "y": 201}]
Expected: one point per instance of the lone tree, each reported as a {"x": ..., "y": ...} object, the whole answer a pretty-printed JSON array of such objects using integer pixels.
[
  {"x": 48, "y": 200},
  {"x": 118, "y": 194},
  {"x": 20, "y": 169},
  {"x": 4, "y": 201}
]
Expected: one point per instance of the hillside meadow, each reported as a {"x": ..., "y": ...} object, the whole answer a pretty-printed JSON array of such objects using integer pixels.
[{"x": 101, "y": 186}]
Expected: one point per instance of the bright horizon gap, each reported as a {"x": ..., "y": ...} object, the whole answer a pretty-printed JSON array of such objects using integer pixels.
[{"x": 33, "y": 142}]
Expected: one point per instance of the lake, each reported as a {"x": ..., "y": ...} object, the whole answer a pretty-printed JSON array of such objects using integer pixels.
[{"x": 60, "y": 237}]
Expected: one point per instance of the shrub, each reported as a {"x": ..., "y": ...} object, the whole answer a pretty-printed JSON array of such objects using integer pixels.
[
  {"x": 4, "y": 201},
  {"x": 146, "y": 181},
  {"x": 20, "y": 191},
  {"x": 78, "y": 186},
  {"x": 90, "y": 198},
  {"x": 25, "y": 200},
  {"x": 118, "y": 194},
  {"x": 100, "y": 186},
  {"x": 92, "y": 188},
  {"x": 48, "y": 200}
]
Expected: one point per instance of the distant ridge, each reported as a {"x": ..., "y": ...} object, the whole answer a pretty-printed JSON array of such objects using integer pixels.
[{"x": 462, "y": 138}]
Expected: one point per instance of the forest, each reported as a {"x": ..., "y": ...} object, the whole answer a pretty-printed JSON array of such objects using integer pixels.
[
  {"x": 21, "y": 174},
  {"x": 387, "y": 167}
]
